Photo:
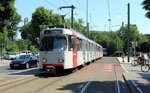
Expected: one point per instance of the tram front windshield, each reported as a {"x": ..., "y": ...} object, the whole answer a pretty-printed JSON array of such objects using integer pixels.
[{"x": 53, "y": 43}]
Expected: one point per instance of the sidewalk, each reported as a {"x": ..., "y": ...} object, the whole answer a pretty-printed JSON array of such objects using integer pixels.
[
  {"x": 4, "y": 62},
  {"x": 125, "y": 59},
  {"x": 138, "y": 81}
]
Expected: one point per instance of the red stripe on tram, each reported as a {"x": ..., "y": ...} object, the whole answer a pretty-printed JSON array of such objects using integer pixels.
[
  {"x": 55, "y": 65},
  {"x": 75, "y": 53}
]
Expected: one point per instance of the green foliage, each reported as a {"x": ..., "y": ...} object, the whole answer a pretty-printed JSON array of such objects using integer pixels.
[
  {"x": 9, "y": 20},
  {"x": 144, "y": 47},
  {"x": 118, "y": 53},
  {"x": 41, "y": 18},
  {"x": 26, "y": 31},
  {"x": 146, "y": 4},
  {"x": 17, "y": 46},
  {"x": 33, "y": 48},
  {"x": 12, "y": 25},
  {"x": 134, "y": 34},
  {"x": 7, "y": 9},
  {"x": 12, "y": 47},
  {"x": 23, "y": 44},
  {"x": 113, "y": 41},
  {"x": 78, "y": 26},
  {"x": 109, "y": 40}
]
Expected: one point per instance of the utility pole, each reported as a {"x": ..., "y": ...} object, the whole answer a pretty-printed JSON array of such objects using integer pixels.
[
  {"x": 122, "y": 37},
  {"x": 72, "y": 7},
  {"x": 87, "y": 23},
  {"x": 128, "y": 47}
]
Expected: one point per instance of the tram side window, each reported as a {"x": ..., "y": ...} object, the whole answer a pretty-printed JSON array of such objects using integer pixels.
[
  {"x": 79, "y": 44},
  {"x": 72, "y": 43}
]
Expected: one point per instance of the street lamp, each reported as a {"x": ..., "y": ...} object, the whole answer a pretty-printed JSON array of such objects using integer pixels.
[{"x": 72, "y": 8}]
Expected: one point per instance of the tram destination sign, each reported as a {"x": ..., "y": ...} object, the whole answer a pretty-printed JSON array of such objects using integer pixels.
[{"x": 53, "y": 32}]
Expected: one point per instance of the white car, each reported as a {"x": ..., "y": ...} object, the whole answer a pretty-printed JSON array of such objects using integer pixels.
[{"x": 10, "y": 55}]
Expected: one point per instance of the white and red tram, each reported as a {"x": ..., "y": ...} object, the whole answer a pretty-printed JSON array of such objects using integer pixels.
[{"x": 63, "y": 47}]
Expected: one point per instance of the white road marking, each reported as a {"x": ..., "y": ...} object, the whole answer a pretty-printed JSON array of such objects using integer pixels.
[{"x": 124, "y": 68}]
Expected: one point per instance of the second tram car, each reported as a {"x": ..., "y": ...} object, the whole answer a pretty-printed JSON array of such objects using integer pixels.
[{"x": 65, "y": 48}]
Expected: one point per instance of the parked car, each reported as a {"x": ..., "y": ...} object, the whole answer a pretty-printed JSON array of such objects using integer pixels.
[
  {"x": 10, "y": 55},
  {"x": 36, "y": 54},
  {"x": 26, "y": 53},
  {"x": 25, "y": 61}
]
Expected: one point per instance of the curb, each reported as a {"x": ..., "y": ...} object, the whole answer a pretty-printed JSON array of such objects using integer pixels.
[{"x": 130, "y": 84}]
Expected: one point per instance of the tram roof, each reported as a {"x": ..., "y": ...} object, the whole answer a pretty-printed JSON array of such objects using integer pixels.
[{"x": 69, "y": 31}]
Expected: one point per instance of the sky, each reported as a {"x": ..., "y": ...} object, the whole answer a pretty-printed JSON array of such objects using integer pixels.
[{"x": 98, "y": 12}]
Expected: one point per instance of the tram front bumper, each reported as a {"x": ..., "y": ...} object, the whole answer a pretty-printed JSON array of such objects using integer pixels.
[{"x": 49, "y": 69}]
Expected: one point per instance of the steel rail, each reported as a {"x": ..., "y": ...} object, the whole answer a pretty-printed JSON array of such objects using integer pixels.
[
  {"x": 90, "y": 80},
  {"x": 118, "y": 89},
  {"x": 31, "y": 80},
  {"x": 46, "y": 86},
  {"x": 22, "y": 83}
]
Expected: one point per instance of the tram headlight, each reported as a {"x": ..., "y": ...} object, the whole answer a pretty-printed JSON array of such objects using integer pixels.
[
  {"x": 44, "y": 60},
  {"x": 61, "y": 60}
]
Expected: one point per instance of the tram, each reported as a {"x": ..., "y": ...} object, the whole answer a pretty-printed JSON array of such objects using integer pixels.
[{"x": 64, "y": 48}]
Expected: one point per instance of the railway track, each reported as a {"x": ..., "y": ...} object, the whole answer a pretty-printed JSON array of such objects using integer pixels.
[
  {"x": 100, "y": 76},
  {"x": 39, "y": 82},
  {"x": 117, "y": 86}
]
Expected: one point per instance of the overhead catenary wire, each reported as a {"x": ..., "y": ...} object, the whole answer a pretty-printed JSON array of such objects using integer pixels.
[
  {"x": 68, "y": 2},
  {"x": 72, "y": 1},
  {"x": 76, "y": 3},
  {"x": 81, "y": 5},
  {"x": 65, "y": 2},
  {"x": 51, "y": 4},
  {"x": 67, "y": 14}
]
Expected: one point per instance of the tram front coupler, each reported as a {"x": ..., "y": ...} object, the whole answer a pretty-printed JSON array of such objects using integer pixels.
[{"x": 51, "y": 69}]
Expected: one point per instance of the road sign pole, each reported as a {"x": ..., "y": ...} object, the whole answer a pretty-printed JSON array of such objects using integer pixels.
[{"x": 128, "y": 47}]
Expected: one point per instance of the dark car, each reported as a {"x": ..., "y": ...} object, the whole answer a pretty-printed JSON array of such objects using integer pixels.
[{"x": 25, "y": 61}]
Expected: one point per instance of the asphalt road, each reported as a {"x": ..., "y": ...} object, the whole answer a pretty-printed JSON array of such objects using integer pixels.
[{"x": 102, "y": 76}]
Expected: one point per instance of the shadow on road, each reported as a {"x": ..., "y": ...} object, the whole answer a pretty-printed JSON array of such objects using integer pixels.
[{"x": 94, "y": 87}]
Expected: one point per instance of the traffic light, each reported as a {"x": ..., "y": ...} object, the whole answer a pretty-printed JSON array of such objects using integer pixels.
[
  {"x": 130, "y": 44},
  {"x": 133, "y": 44}
]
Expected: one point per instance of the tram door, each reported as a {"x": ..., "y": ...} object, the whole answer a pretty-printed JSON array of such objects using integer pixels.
[
  {"x": 87, "y": 45},
  {"x": 84, "y": 49}
]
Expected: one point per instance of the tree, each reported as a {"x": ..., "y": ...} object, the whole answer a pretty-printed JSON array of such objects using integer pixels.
[
  {"x": 41, "y": 18},
  {"x": 144, "y": 47},
  {"x": 109, "y": 40},
  {"x": 78, "y": 25},
  {"x": 146, "y": 6},
  {"x": 26, "y": 31},
  {"x": 12, "y": 25},
  {"x": 12, "y": 47},
  {"x": 135, "y": 35},
  {"x": 23, "y": 44},
  {"x": 7, "y": 10}
]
